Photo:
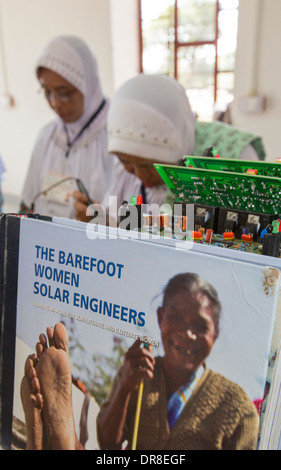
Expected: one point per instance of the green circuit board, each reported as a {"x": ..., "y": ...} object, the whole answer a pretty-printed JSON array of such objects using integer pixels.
[
  {"x": 223, "y": 188},
  {"x": 237, "y": 166}
]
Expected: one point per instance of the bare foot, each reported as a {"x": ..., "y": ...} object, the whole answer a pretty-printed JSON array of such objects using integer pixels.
[
  {"x": 54, "y": 374},
  {"x": 32, "y": 402}
]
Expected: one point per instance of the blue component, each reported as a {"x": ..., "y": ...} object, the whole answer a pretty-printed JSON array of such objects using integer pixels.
[{"x": 264, "y": 231}]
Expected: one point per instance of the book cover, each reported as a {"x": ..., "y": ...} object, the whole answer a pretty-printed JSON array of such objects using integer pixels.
[{"x": 108, "y": 291}]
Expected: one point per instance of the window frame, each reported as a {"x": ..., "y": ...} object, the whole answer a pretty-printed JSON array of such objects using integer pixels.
[{"x": 178, "y": 44}]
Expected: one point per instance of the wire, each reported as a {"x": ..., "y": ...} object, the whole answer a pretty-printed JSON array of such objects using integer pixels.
[{"x": 44, "y": 192}]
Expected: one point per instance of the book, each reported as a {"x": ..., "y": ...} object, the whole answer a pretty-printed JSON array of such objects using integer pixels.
[
  {"x": 270, "y": 438},
  {"x": 106, "y": 286}
]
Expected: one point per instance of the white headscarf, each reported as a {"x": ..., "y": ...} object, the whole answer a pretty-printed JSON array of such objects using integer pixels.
[
  {"x": 150, "y": 117},
  {"x": 87, "y": 159},
  {"x": 71, "y": 58}
]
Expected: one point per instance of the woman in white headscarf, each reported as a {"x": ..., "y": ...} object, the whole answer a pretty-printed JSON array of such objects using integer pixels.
[
  {"x": 149, "y": 121},
  {"x": 74, "y": 146}
]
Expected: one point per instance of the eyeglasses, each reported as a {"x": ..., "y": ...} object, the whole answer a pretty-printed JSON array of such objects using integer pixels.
[{"x": 63, "y": 97}]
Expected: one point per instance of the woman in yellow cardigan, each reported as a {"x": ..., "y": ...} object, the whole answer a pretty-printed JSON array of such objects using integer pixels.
[{"x": 185, "y": 406}]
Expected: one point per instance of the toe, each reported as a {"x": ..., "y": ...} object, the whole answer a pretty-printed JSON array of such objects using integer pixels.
[{"x": 61, "y": 337}]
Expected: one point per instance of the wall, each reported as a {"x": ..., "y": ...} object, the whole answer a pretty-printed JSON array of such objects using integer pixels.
[
  {"x": 125, "y": 46},
  {"x": 258, "y": 70}
]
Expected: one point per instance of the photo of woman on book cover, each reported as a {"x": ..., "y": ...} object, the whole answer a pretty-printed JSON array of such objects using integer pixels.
[{"x": 184, "y": 405}]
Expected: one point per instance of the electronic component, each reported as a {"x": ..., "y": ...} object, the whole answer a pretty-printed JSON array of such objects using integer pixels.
[
  {"x": 204, "y": 216},
  {"x": 209, "y": 235},
  {"x": 271, "y": 244},
  {"x": 237, "y": 166},
  {"x": 247, "y": 192},
  {"x": 237, "y": 221},
  {"x": 131, "y": 215},
  {"x": 237, "y": 203}
]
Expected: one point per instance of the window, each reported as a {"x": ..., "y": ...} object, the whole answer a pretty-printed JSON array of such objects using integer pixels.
[{"x": 194, "y": 41}]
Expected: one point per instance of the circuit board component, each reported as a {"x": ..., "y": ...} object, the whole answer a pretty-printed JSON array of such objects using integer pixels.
[
  {"x": 221, "y": 188},
  {"x": 236, "y": 166}
]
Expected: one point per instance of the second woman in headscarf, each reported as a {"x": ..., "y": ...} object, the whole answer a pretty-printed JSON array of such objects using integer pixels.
[{"x": 73, "y": 146}]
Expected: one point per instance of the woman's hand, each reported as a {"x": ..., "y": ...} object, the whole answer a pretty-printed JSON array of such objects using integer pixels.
[
  {"x": 81, "y": 206},
  {"x": 138, "y": 363}
]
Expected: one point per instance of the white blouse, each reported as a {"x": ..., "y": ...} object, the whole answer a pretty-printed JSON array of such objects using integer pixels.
[
  {"x": 88, "y": 160},
  {"x": 124, "y": 185}
]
